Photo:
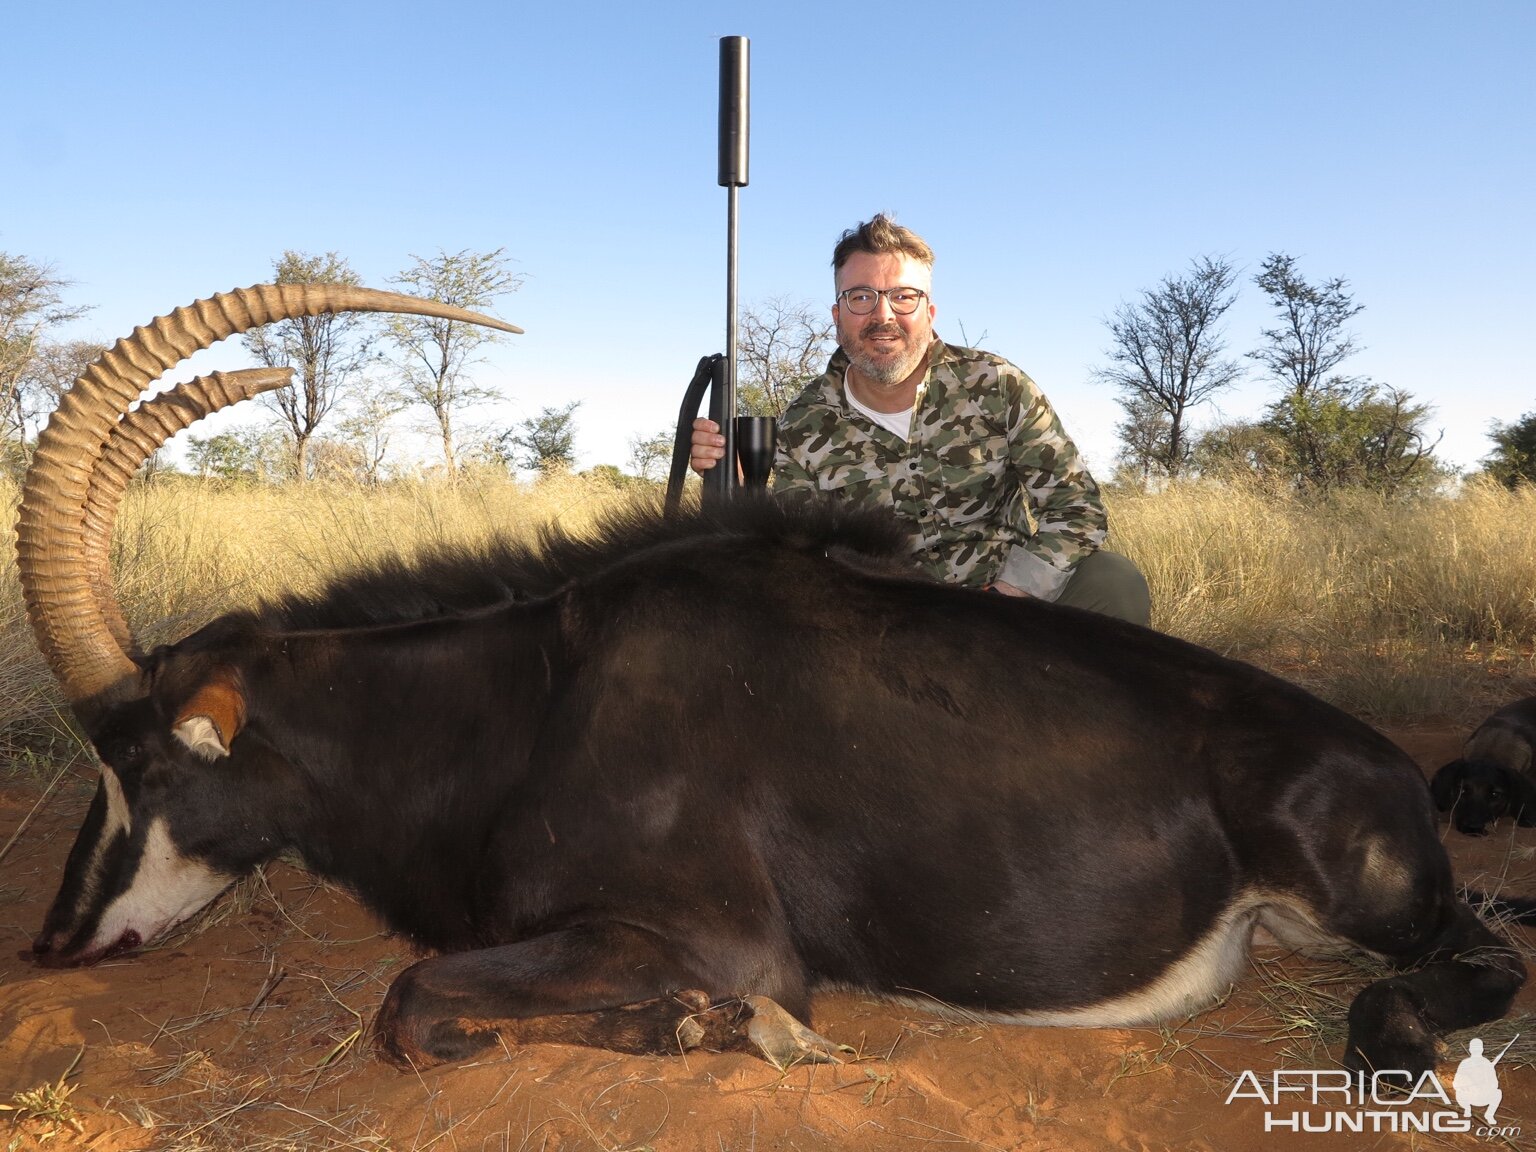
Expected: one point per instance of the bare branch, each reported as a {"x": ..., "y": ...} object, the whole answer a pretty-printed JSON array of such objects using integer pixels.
[
  {"x": 1311, "y": 339},
  {"x": 31, "y": 303},
  {"x": 1166, "y": 357},
  {"x": 782, "y": 345},
  {"x": 328, "y": 352}
]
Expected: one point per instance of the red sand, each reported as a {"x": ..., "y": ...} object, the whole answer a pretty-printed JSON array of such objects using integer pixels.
[{"x": 249, "y": 1035}]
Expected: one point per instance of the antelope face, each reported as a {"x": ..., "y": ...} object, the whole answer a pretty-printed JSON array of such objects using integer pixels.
[{"x": 166, "y": 832}]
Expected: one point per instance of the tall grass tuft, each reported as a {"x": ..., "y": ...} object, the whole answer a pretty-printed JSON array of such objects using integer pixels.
[
  {"x": 1397, "y": 611},
  {"x": 186, "y": 551}
]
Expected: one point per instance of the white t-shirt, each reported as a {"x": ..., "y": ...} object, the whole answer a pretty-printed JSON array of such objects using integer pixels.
[{"x": 898, "y": 423}]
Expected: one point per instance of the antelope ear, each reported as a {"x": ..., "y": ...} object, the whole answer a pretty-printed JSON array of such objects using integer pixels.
[
  {"x": 1520, "y": 758},
  {"x": 1499, "y": 745},
  {"x": 209, "y": 722}
]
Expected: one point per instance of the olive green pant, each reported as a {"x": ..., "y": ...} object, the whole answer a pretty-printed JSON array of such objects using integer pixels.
[{"x": 1107, "y": 582}]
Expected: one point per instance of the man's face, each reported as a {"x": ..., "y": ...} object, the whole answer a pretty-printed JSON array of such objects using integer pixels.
[{"x": 885, "y": 347}]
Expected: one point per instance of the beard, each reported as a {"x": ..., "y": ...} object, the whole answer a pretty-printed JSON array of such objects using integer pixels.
[{"x": 884, "y": 362}]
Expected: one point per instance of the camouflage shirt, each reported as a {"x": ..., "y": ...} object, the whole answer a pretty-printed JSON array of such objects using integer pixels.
[{"x": 986, "y": 456}]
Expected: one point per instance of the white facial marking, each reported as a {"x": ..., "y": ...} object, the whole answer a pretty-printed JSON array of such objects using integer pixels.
[
  {"x": 119, "y": 819},
  {"x": 201, "y": 735},
  {"x": 167, "y": 887}
]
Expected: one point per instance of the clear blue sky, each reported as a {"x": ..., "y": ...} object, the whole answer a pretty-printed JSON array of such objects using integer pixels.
[{"x": 1059, "y": 158}]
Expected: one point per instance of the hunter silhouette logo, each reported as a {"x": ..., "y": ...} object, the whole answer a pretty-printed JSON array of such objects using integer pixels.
[
  {"x": 1385, "y": 1100},
  {"x": 1476, "y": 1083}
]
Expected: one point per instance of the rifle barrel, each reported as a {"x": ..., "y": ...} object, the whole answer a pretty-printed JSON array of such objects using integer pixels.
[{"x": 1506, "y": 1047}]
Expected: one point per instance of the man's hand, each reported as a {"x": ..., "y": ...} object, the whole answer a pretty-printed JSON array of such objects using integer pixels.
[
  {"x": 1006, "y": 588},
  {"x": 706, "y": 445}
]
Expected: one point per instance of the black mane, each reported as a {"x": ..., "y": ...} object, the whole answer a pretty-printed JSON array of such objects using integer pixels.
[{"x": 460, "y": 578}]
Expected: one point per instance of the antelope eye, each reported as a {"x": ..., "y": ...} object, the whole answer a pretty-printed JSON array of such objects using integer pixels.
[{"x": 122, "y": 755}]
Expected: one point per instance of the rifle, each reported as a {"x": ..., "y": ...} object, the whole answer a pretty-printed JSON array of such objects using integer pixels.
[
  {"x": 748, "y": 439},
  {"x": 1506, "y": 1048}
]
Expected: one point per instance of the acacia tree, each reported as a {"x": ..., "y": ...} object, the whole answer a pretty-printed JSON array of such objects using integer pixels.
[
  {"x": 1513, "y": 459},
  {"x": 328, "y": 352},
  {"x": 435, "y": 354},
  {"x": 31, "y": 303},
  {"x": 1362, "y": 436},
  {"x": 543, "y": 443},
  {"x": 365, "y": 430},
  {"x": 650, "y": 457},
  {"x": 781, "y": 345},
  {"x": 1166, "y": 357},
  {"x": 1338, "y": 430},
  {"x": 1143, "y": 437},
  {"x": 1311, "y": 339},
  {"x": 224, "y": 457},
  {"x": 245, "y": 454},
  {"x": 1239, "y": 447},
  {"x": 56, "y": 366}
]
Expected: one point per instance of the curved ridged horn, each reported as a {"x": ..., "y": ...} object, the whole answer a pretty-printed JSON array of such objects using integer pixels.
[
  {"x": 67, "y": 620},
  {"x": 136, "y": 438}
]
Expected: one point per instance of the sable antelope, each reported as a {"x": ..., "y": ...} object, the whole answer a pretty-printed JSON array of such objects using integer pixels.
[{"x": 649, "y": 791}]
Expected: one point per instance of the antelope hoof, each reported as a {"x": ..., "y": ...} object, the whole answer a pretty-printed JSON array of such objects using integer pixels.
[{"x": 784, "y": 1041}]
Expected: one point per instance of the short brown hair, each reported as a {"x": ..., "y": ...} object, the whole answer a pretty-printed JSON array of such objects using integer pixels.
[{"x": 879, "y": 235}]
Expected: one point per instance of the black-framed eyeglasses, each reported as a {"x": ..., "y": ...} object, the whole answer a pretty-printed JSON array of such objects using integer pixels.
[{"x": 862, "y": 301}]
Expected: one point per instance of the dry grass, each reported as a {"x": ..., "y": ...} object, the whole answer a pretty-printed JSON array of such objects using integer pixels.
[
  {"x": 186, "y": 551},
  {"x": 1395, "y": 611},
  {"x": 1306, "y": 1007},
  {"x": 1398, "y": 611},
  {"x": 46, "y": 1112},
  {"x": 1238, "y": 566}
]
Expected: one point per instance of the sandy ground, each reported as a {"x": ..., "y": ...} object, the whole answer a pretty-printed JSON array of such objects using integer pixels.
[{"x": 252, "y": 1034}]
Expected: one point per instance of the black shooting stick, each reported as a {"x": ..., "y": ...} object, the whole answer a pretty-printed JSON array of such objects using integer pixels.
[
  {"x": 734, "y": 88},
  {"x": 749, "y": 439}
]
